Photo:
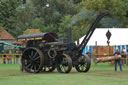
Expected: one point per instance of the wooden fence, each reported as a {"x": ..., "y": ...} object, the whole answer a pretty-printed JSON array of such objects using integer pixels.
[{"x": 12, "y": 59}]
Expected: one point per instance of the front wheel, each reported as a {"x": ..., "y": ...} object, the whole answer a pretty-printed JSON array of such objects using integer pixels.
[
  {"x": 64, "y": 64},
  {"x": 84, "y": 63}
]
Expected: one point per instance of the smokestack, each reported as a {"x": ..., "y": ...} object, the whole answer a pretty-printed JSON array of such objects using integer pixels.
[{"x": 69, "y": 34}]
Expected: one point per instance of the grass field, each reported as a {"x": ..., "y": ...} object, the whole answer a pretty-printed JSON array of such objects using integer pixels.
[{"x": 100, "y": 74}]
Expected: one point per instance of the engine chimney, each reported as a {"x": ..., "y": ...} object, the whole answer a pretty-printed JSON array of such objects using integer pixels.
[{"x": 69, "y": 34}]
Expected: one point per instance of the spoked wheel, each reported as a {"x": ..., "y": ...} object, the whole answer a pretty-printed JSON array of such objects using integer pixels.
[
  {"x": 48, "y": 69},
  {"x": 32, "y": 60},
  {"x": 84, "y": 64},
  {"x": 65, "y": 64}
]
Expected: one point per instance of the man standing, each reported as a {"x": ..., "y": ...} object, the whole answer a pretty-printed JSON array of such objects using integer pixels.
[
  {"x": 17, "y": 57},
  {"x": 4, "y": 57},
  {"x": 118, "y": 61}
]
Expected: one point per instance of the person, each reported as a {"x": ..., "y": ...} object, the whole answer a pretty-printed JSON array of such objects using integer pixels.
[
  {"x": 4, "y": 57},
  {"x": 118, "y": 61},
  {"x": 17, "y": 57},
  {"x": 8, "y": 58},
  {"x": 10, "y": 52},
  {"x": 88, "y": 53},
  {"x": 123, "y": 55}
]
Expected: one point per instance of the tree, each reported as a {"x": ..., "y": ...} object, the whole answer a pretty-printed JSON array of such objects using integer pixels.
[
  {"x": 64, "y": 25},
  {"x": 77, "y": 1},
  {"x": 53, "y": 10},
  {"x": 38, "y": 23},
  {"x": 25, "y": 15},
  {"x": 43, "y": 14},
  {"x": 8, "y": 14},
  {"x": 117, "y": 8},
  {"x": 88, "y": 10}
]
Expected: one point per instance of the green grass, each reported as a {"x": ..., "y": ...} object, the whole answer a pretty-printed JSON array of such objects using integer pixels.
[{"x": 100, "y": 74}]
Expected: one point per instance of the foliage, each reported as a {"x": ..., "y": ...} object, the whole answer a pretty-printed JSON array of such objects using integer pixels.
[
  {"x": 49, "y": 28},
  {"x": 57, "y": 15},
  {"x": 117, "y": 8},
  {"x": 8, "y": 14},
  {"x": 38, "y": 23},
  {"x": 53, "y": 10},
  {"x": 42, "y": 14},
  {"x": 77, "y": 1},
  {"x": 89, "y": 9},
  {"x": 25, "y": 15},
  {"x": 64, "y": 25}
]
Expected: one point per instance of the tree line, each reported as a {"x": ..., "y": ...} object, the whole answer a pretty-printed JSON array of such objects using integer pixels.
[{"x": 57, "y": 15}]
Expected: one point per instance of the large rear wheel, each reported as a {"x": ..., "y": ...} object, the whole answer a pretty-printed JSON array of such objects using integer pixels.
[
  {"x": 84, "y": 63},
  {"x": 32, "y": 60}
]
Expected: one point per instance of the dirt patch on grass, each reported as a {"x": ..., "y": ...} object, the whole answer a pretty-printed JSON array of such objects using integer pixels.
[{"x": 109, "y": 73}]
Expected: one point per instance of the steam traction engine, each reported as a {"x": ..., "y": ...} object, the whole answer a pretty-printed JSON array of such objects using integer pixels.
[{"x": 45, "y": 52}]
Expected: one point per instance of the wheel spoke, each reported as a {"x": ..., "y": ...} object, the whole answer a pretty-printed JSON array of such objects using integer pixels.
[
  {"x": 32, "y": 67},
  {"x": 64, "y": 68},
  {"x": 32, "y": 53},
  {"x": 61, "y": 66},
  {"x": 28, "y": 65},
  {"x": 35, "y": 68},
  {"x": 35, "y": 55},
  {"x": 37, "y": 62},
  {"x": 37, "y": 58},
  {"x": 82, "y": 67},
  {"x": 29, "y": 56}
]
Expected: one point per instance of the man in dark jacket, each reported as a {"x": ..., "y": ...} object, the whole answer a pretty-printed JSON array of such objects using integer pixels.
[{"x": 118, "y": 61}]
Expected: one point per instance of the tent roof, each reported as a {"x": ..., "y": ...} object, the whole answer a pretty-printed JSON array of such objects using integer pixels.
[
  {"x": 4, "y": 35},
  {"x": 5, "y": 43},
  {"x": 119, "y": 36}
]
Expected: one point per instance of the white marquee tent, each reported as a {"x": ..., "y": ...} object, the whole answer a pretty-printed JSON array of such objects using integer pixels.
[{"x": 119, "y": 37}]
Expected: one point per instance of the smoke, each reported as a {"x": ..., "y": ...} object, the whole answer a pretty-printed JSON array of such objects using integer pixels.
[
  {"x": 110, "y": 22},
  {"x": 83, "y": 14},
  {"x": 89, "y": 14}
]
